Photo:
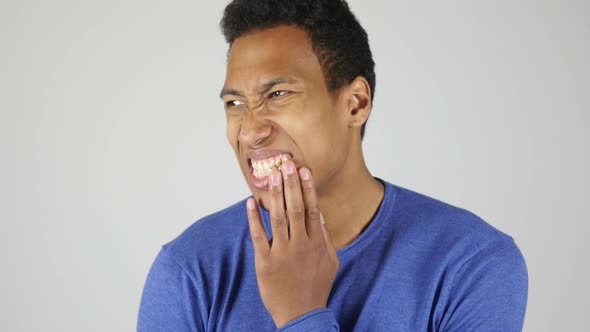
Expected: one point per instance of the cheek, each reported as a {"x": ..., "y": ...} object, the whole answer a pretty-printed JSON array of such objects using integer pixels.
[
  {"x": 231, "y": 132},
  {"x": 319, "y": 138},
  {"x": 326, "y": 143}
]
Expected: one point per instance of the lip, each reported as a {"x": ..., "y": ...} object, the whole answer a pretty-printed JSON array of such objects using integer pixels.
[
  {"x": 262, "y": 183},
  {"x": 263, "y": 154}
]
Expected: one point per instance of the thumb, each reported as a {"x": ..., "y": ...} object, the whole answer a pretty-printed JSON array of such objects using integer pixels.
[{"x": 328, "y": 239}]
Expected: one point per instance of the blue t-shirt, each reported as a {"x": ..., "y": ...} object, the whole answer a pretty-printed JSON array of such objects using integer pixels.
[{"x": 420, "y": 265}]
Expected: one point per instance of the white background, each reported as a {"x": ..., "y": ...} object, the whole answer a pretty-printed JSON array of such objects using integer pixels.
[{"x": 113, "y": 141}]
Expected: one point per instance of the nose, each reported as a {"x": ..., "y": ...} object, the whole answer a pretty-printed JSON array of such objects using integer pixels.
[{"x": 254, "y": 130}]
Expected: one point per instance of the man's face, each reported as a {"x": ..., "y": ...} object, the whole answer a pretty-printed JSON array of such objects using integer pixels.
[{"x": 278, "y": 107}]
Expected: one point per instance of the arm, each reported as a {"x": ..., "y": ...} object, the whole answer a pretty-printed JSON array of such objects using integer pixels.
[
  {"x": 489, "y": 291},
  {"x": 169, "y": 300},
  {"x": 296, "y": 270}
]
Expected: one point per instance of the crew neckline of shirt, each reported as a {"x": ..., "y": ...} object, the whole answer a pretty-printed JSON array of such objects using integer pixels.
[{"x": 358, "y": 244}]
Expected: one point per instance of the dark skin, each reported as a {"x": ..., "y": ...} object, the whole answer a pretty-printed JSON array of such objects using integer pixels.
[{"x": 277, "y": 101}]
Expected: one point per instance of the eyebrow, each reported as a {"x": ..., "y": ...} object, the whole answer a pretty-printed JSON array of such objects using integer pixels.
[{"x": 264, "y": 87}]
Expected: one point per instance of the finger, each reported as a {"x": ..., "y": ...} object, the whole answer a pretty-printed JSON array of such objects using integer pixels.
[
  {"x": 328, "y": 239},
  {"x": 312, "y": 210},
  {"x": 293, "y": 200},
  {"x": 257, "y": 232},
  {"x": 278, "y": 219}
]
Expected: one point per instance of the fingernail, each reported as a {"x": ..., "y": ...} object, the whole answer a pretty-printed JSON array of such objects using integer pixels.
[
  {"x": 322, "y": 219},
  {"x": 289, "y": 167},
  {"x": 276, "y": 178},
  {"x": 250, "y": 203},
  {"x": 305, "y": 174}
]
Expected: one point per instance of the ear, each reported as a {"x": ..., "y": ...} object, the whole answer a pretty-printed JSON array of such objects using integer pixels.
[{"x": 359, "y": 102}]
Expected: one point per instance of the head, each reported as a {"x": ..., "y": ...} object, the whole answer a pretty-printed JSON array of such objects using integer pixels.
[{"x": 299, "y": 84}]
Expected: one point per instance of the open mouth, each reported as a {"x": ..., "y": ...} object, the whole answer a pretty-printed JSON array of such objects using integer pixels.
[{"x": 263, "y": 167}]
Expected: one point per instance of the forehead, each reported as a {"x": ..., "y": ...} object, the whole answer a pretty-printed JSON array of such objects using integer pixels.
[{"x": 265, "y": 54}]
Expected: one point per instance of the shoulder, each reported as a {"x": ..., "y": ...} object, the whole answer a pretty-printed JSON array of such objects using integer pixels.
[
  {"x": 451, "y": 235},
  {"x": 442, "y": 223},
  {"x": 219, "y": 232},
  {"x": 478, "y": 266}
]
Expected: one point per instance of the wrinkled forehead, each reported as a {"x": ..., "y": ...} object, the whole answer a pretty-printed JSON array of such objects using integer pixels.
[{"x": 275, "y": 52}]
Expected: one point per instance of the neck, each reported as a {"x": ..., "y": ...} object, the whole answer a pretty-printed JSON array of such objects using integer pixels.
[{"x": 350, "y": 202}]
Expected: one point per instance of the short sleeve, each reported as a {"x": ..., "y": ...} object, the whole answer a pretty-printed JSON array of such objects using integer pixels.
[
  {"x": 169, "y": 301},
  {"x": 489, "y": 291}
]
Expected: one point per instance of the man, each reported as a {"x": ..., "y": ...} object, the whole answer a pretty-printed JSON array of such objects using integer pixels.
[{"x": 323, "y": 245}]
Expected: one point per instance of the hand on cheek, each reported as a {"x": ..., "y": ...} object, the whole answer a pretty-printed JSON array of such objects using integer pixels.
[{"x": 296, "y": 270}]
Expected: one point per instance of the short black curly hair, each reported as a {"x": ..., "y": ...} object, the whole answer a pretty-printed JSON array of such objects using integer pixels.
[{"x": 339, "y": 41}]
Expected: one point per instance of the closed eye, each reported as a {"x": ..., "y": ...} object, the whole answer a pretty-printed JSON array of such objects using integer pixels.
[{"x": 278, "y": 93}]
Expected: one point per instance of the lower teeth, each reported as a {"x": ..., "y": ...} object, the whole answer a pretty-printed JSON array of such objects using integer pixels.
[{"x": 261, "y": 173}]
